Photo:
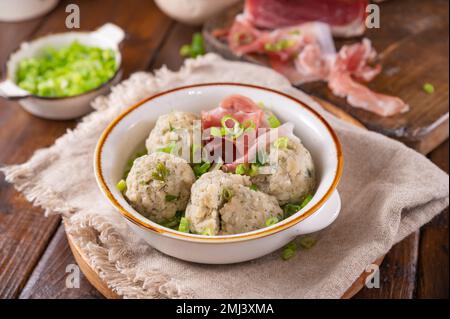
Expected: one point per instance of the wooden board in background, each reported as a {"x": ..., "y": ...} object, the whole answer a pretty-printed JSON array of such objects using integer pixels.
[{"x": 412, "y": 43}]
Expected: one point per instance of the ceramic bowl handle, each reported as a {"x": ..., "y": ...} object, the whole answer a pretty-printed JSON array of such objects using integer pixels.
[
  {"x": 112, "y": 32},
  {"x": 10, "y": 90},
  {"x": 322, "y": 218}
]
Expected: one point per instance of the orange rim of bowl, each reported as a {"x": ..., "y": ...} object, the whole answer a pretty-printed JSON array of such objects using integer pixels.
[{"x": 224, "y": 238}]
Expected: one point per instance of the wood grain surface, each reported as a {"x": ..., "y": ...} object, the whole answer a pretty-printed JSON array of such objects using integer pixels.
[
  {"x": 412, "y": 43},
  {"x": 34, "y": 252}
]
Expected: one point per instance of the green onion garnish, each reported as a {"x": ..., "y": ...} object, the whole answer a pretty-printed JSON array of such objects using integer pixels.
[
  {"x": 273, "y": 121},
  {"x": 253, "y": 171},
  {"x": 121, "y": 186},
  {"x": 168, "y": 149},
  {"x": 249, "y": 125},
  {"x": 289, "y": 251},
  {"x": 218, "y": 131},
  {"x": 307, "y": 242},
  {"x": 241, "y": 169},
  {"x": 254, "y": 187},
  {"x": 161, "y": 172},
  {"x": 290, "y": 209},
  {"x": 184, "y": 225},
  {"x": 271, "y": 221},
  {"x": 201, "y": 168},
  {"x": 428, "y": 88},
  {"x": 131, "y": 162},
  {"x": 236, "y": 130},
  {"x": 171, "y": 198},
  {"x": 279, "y": 45},
  {"x": 194, "y": 49},
  {"x": 281, "y": 142},
  {"x": 227, "y": 194},
  {"x": 306, "y": 201},
  {"x": 207, "y": 232}
]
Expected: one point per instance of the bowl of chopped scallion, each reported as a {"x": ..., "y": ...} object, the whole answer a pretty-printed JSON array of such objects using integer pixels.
[{"x": 57, "y": 76}]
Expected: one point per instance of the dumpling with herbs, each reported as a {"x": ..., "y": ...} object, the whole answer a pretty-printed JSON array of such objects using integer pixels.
[
  {"x": 159, "y": 185},
  {"x": 173, "y": 133}
]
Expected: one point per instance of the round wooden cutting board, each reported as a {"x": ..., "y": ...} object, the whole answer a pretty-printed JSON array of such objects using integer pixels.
[{"x": 94, "y": 278}]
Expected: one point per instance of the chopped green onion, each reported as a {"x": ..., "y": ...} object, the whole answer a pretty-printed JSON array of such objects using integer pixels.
[
  {"x": 218, "y": 131},
  {"x": 290, "y": 209},
  {"x": 271, "y": 221},
  {"x": 249, "y": 125},
  {"x": 227, "y": 194},
  {"x": 185, "y": 50},
  {"x": 253, "y": 171},
  {"x": 168, "y": 149},
  {"x": 201, "y": 168},
  {"x": 67, "y": 71},
  {"x": 171, "y": 198},
  {"x": 261, "y": 105},
  {"x": 289, "y": 251},
  {"x": 197, "y": 45},
  {"x": 161, "y": 172},
  {"x": 306, "y": 201},
  {"x": 307, "y": 242},
  {"x": 281, "y": 142},
  {"x": 236, "y": 130},
  {"x": 273, "y": 121},
  {"x": 241, "y": 169},
  {"x": 254, "y": 187},
  {"x": 279, "y": 45},
  {"x": 207, "y": 232},
  {"x": 428, "y": 88},
  {"x": 121, "y": 186},
  {"x": 184, "y": 225},
  {"x": 194, "y": 49}
]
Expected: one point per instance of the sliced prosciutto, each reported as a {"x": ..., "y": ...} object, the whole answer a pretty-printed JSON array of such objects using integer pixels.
[
  {"x": 239, "y": 107},
  {"x": 261, "y": 143},
  {"x": 346, "y": 17},
  {"x": 353, "y": 63},
  {"x": 306, "y": 53},
  {"x": 237, "y": 114},
  {"x": 358, "y": 95}
]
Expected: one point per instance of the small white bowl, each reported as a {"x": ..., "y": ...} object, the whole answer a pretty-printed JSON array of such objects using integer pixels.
[
  {"x": 62, "y": 108},
  {"x": 127, "y": 133}
]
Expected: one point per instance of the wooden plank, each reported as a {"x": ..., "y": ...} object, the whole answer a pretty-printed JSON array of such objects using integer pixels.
[
  {"x": 24, "y": 231},
  {"x": 433, "y": 267},
  {"x": 412, "y": 51},
  {"x": 397, "y": 272},
  {"x": 48, "y": 280}
]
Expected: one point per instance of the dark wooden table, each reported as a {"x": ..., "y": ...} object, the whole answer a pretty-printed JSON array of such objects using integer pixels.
[{"x": 34, "y": 252}]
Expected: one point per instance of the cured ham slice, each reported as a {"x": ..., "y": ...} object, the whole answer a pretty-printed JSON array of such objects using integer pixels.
[
  {"x": 352, "y": 62},
  {"x": 239, "y": 107},
  {"x": 358, "y": 95},
  {"x": 261, "y": 143},
  {"x": 345, "y": 17}
]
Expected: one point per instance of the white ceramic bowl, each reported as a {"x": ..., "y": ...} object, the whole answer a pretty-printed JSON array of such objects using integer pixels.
[
  {"x": 19, "y": 10},
  {"x": 62, "y": 108},
  {"x": 127, "y": 133}
]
